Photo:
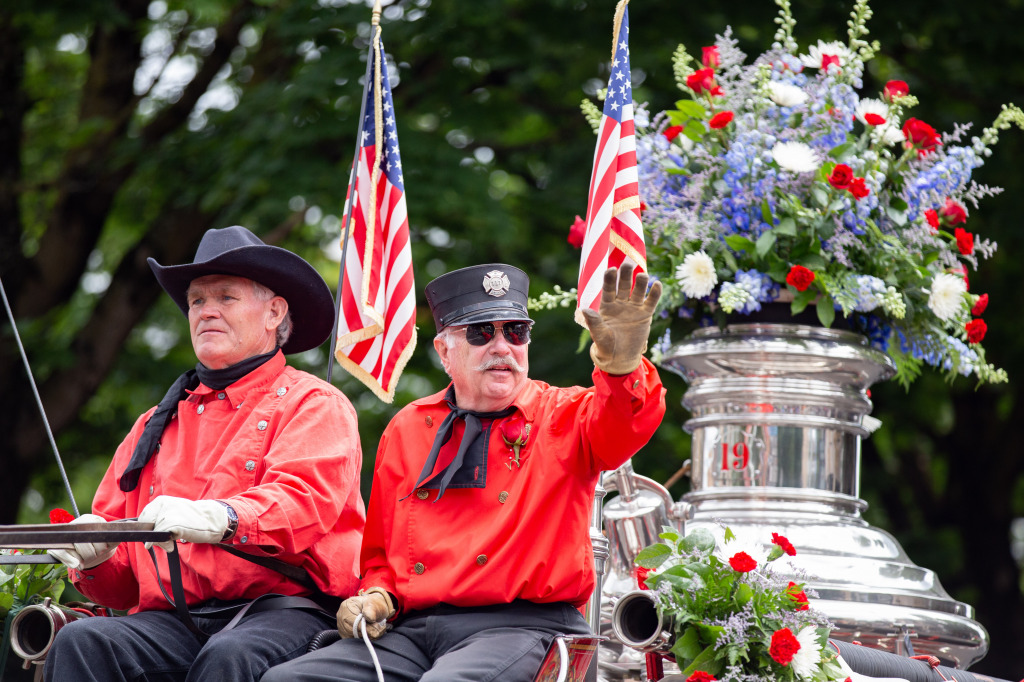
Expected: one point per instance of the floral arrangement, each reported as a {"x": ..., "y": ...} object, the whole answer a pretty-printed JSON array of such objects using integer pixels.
[
  {"x": 779, "y": 181},
  {"x": 734, "y": 619},
  {"x": 24, "y": 584}
]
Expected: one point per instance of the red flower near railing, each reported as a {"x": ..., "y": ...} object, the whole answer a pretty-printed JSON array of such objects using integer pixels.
[
  {"x": 784, "y": 646},
  {"x": 784, "y": 543},
  {"x": 59, "y": 515},
  {"x": 742, "y": 562}
]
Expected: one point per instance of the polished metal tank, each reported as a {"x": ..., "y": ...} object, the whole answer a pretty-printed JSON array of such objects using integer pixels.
[{"x": 779, "y": 411}]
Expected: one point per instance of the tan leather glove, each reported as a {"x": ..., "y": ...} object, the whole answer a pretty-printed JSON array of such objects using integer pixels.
[
  {"x": 621, "y": 328},
  {"x": 375, "y": 606},
  {"x": 85, "y": 555}
]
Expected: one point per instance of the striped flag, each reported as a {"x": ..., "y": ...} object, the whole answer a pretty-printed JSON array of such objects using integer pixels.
[
  {"x": 614, "y": 232},
  {"x": 377, "y": 313}
]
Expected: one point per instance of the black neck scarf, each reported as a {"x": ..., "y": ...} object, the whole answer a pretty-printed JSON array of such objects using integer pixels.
[
  {"x": 158, "y": 421},
  {"x": 444, "y": 433}
]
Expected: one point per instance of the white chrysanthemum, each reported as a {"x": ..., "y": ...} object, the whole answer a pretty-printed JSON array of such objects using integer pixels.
[
  {"x": 888, "y": 134},
  {"x": 869, "y": 105},
  {"x": 808, "y": 658},
  {"x": 697, "y": 275},
  {"x": 947, "y": 295},
  {"x": 815, "y": 52},
  {"x": 757, "y": 551},
  {"x": 785, "y": 94},
  {"x": 795, "y": 157}
]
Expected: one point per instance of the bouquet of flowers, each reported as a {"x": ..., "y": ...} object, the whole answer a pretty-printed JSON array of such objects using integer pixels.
[
  {"x": 734, "y": 619},
  {"x": 779, "y": 181}
]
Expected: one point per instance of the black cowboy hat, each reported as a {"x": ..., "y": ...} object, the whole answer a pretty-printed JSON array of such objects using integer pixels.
[
  {"x": 237, "y": 251},
  {"x": 481, "y": 293}
]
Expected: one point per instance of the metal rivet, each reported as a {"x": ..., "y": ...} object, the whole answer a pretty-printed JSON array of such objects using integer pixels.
[
  {"x": 422, "y": 494},
  {"x": 150, "y": 491},
  {"x": 244, "y": 538},
  {"x": 261, "y": 425},
  {"x": 419, "y": 568},
  {"x": 200, "y": 409},
  {"x": 502, "y": 496},
  {"x": 429, "y": 421},
  {"x": 636, "y": 383},
  {"x": 250, "y": 465},
  {"x": 282, "y": 390},
  {"x": 222, "y": 395},
  {"x": 482, "y": 559}
]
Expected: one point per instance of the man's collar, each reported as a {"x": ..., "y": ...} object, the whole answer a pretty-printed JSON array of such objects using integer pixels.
[
  {"x": 523, "y": 401},
  {"x": 259, "y": 377}
]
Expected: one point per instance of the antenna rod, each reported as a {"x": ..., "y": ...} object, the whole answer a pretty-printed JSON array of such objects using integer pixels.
[{"x": 39, "y": 401}]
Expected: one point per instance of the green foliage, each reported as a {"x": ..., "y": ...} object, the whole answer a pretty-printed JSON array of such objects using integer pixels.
[{"x": 23, "y": 584}]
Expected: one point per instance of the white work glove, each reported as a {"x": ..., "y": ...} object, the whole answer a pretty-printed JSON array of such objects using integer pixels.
[
  {"x": 85, "y": 555},
  {"x": 374, "y": 605},
  {"x": 190, "y": 520}
]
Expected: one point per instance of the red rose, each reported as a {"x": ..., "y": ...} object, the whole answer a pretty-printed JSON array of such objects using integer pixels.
[
  {"x": 641, "y": 573},
  {"x": 964, "y": 241},
  {"x": 703, "y": 80},
  {"x": 59, "y": 515},
  {"x": 873, "y": 119},
  {"x": 980, "y": 305},
  {"x": 827, "y": 59},
  {"x": 720, "y": 120},
  {"x": 781, "y": 540},
  {"x": 858, "y": 189},
  {"x": 784, "y": 646},
  {"x": 577, "y": 233},
  {"x": 799, "y": 278},
  {"x": 976, "y": 330},
  {"x": 798, "y": 596},
  {"x": 710, "y": 57},
  {"x": 643, "y": 207},
  {"x": 841, "y": 177},
  {"x": 515, "y": 432},
  {"x": 672, "y": 132},
  {"x": 921, "y": 135},
  {"x": 932, "y": 216},
  {"x": 701, "y": 676},
  {"x": 742, "y": 562},
  {"x": 953, "y": 212},
  {"x": 895, "y": 89}
]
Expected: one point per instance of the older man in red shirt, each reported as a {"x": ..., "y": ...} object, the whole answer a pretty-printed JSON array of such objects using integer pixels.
[
  {"x": 477, "y": 551},
  {"x": 243, "y": 452}
]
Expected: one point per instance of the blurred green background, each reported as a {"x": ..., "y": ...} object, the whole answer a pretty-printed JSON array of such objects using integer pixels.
[{"x": 129, "y": 127}]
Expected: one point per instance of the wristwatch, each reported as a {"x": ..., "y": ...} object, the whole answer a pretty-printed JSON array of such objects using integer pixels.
[{"x": 232, "y": 522}]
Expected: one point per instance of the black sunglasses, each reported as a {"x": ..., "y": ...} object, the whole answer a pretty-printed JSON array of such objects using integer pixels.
[{"x": 516, "y": 333}]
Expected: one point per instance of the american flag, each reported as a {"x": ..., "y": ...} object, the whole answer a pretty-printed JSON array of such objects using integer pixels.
[
  {"x": 614, "y": 232},
  {"x": 377, "y": 319}
]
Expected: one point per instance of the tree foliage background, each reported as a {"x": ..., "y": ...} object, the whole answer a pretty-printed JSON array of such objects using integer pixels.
[{"x": 129, "y": 127}]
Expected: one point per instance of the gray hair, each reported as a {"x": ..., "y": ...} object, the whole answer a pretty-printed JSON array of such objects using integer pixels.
[{"x": 284, "y": 330}]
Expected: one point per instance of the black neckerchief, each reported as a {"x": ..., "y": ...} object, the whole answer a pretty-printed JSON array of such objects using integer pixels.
[
  {"x": 158, "y": 421},
  {"x": 444, "y": 434}
]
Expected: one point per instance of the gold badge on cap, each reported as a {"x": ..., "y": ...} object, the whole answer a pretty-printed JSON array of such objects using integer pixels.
[{"x": 496, "y": 283}]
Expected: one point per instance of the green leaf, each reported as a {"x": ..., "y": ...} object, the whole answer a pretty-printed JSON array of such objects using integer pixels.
[
  {"x": 729, "y": 535},
  {"x": 765, "y": 243},
  {"x": 701, "y": 539},
  {"x": 739, "y": 243},
  {"x": 897, "y": 216},
  {"x": 691, "y": 108},
  {"x": 743, "y": 594},
  {"x": 786, "y": 226},
  {"x": 801, "y": 300},
  {"x": 653, "y": 556},
  {"x": 687, "y": 647},
  {"x": 819, "y": 196},
  {"x": 841, "y": 151},
  {"x": 812, "y": 261},
  {"x": 694, "y": 129},
  {"x": 826, "y": 311},
  {"x": 898, "y": 204},
  {"x": 707, "y": 661},
  {"x": 584, "y": 338},
  {"x": 766, "y": 212}
]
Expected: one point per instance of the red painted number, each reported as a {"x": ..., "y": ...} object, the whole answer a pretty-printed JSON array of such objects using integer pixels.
[{"x": 738, "y": 460}]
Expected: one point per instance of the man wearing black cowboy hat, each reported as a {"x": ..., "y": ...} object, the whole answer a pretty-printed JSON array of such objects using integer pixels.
[
  {"x": 477, "y": 550},
  {"x": 244, "y": 451}
]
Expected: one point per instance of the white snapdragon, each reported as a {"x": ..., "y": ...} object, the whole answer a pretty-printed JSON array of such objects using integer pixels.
[{"x": 696, "y": 275}]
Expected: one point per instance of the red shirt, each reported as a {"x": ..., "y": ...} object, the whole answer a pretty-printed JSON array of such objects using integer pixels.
[
  {"x": 281, "y": 447},
  {"x": 525, "y": 534}
]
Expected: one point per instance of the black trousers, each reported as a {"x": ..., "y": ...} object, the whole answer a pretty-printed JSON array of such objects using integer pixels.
[{"x": 506, "y": 642}]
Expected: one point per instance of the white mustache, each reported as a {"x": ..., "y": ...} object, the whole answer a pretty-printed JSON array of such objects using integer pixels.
[{"x": 503, "y": 361}]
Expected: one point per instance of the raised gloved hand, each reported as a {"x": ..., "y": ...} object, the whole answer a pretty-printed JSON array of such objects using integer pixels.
[
  {"x": 191, "y": 520},
  {"x": 375, "y": 606},
  {"x": 85, "y": 554},
  {"x": 621, "y": 327}
]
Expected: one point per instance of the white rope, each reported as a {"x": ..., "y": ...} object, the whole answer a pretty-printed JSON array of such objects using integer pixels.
[
  {"x": 361, "y": 621},
  {"x": 563, "y": 660}
]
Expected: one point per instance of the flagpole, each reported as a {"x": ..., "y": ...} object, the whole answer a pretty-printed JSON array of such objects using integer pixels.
[{"x": 346, "y": 230}]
